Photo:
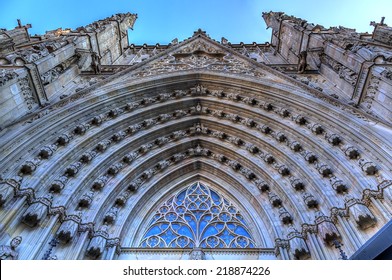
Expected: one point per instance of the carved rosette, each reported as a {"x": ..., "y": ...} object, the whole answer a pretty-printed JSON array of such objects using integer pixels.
[
  {"x": 29, "y": 167},
  {"x": 316, "y": 128},
  {"x": 285, "y": 216},
  {"x": 68, "y": 228},
  {"x": 324, "y": 169},
  {"x": 299, "y": 119},
  {"x": 262, "y": 185},
  {"x": 98, "y": 243},
  {"x": 309, "y": 156},
  {"x": 351, "y": 152},
  {"x": 297, "y": 245},
  {"x": 37, "y": 211},
  {"x": 297, "y": 184},
  {"x": 310, "y": 200},
  {"x": 326, "y": 229}
]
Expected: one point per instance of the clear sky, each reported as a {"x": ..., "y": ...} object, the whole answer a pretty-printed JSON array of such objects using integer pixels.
[{"x": 160, "y": 21}]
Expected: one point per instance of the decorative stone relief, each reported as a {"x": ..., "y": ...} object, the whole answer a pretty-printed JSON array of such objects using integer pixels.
[
  {"x": 6, "y": 192},
  {"x": 47, "y": 151},
  {"x": 111, "y": 215},
  {"x": 298, "y": 247},
  {"x": 285, "y": 216},
  {"x": 338, "y": 185},
  {"x": 324, "y": 169},
  {"x": 73, "y": 169},
  {"x": 7, "y": 75},
  {"x": 261, "y": 185},
  {"x": 351, "y": 152},
  {"x": 296, "y": 183},
  {"x": 360, "y": 212},
  {"x": 58, "y": 184},
  {"x": 86, "y": 199},
  {"x": 309, "y": 156},
  {"x": 100, "y": 183},
  {"x": 69, "y": 228},
  {"x": 27, "y": 92},
  {"x": 98, "y": 242},
  {"x": 9, "y": 252},
  {"x": 326, "y": 229},
  {"x": 344, "y": 72},
  {"x": 37, "y": 211},
  {"x": 310, "y": 200},
  {"x": 367, "y": 166}
]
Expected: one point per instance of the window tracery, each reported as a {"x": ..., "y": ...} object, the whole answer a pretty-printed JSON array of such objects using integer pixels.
[{"x": 197, "y": 217}]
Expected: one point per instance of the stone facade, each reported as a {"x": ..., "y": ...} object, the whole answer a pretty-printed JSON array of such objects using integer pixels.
[{"x": 96, "y": 134}]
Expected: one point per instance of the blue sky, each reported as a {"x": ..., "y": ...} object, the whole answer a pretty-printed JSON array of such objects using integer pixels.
[{"x": 160, "y": 21}]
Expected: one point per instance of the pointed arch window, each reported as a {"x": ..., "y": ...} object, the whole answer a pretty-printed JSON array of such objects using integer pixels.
[{"x": 197, "y": 217}]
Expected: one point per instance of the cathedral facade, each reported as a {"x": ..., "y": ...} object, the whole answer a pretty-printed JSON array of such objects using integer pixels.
[{"x": 197, "y": 149}]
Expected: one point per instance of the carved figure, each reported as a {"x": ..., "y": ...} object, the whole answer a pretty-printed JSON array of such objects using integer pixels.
[
  {"x": 302, "y": 62},
  {"x": 9, "y": 252}
]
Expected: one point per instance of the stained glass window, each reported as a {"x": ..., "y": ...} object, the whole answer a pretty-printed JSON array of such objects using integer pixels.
[{"x": 197, "y": 217}]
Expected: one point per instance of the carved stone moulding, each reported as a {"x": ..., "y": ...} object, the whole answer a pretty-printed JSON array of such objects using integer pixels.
[
  {"x": 28, "y": 167},
  {"x": 73, "y": 169},
  {"x": 122, "y": 198},
  {"x": 110, "y": 216},
  {"x": 68, "y": 228},
  {"x": 128, "y": 158},
  {"x": 310, "y": 156},
  {"x": 297, "y": 184},
  {"x": 81, "y": 129},
  {"x": 274, "y": 199},
  {"x": 299, "y": 119},
  {"x": 97, "y": 120},
  {"x": 86, "y": 199},
  {"x": 284, "y": 112},
  {"x": 285, "y": 216},
  {"x": 98, "y": 243},
  {"x": 324, "y": 170},
  {"x": 297, "y": 245},
  {"x": 368, "y": 167},
  {"x": 338, "y": 185},
  {"x": 327, "y": 229},
  {"x": 283, "y": 170},
  {"x": 114, "y": 169},
  {"x": 6, "y": 192},
  {"x": 351, "y": 152},
  {"x": 87, "y": 157},
  {"x": 100, "y": 183},
  {"x": 317, "y": 128},
  {"x": 37, "y": 211},
  {"x": 360, "y": 212},
  {"x": 58, "y": 184},
  {"x": 63, "y": 139},
  {"x": 333, "y": 139},
  {"x": 47, "y": 151},
  {"x": 265, "y": 129},
  {"x": 268, "y": 158},
  {"x": 295, "y": 146},
  {"x": 262, "y": 185},
  {"x": 280, "y": 136},
  {"x": 310, "y": 200}
]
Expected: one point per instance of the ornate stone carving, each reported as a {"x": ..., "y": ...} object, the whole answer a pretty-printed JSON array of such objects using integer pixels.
[
  {"x": 27, "y": 92},
  {"x": 146, "y": 148},
  {"x": 134, "y": 128},
  {"x": 87, "y": 157},
  {"x": 360, "y": 212},
  {"x": 97, "y": 120},
  {"x": 86, "y": 199},
  {"x": 285, "y": 216},
  {"x": 316, "y": 128},
  {"x": 302, "y": 62},
  {"x": 299, "y": 119},
  {"x": 58, "y": 184},
  {"x": 69, "y": 228},
  {"x": 295, "y": 146},
  {"x": 367, "y": 166},
  {"x": 6, "y": 192},
  {"x": 338, "y": 185},
  {"x": 298, "y": 247},
  {"x": 252, "y": 148},
  {"x": 100, "y": 183},
  {"x": 297, "y": 184},
  {"x": 274, "y": 199},
  {"x": 98, "y": 242},
  {"x": 47, "y": 151},
  {"x": 128, "y": 158},
  {"x": 7, "y": 75},
  {"x": 115, "y": 168},
  {"x": 37, "y": 211},
  {"x": 265, "y": 129},
  {"x": 344, "y": 72},
  {"x": 262, "y": 185},
  {"x": 111, "y": 215},
  {"x": 197, "y": 254},
  {"x": 117, "y": 137},
  {"x": 103, "y": 145},
  {"x": 268, "y": 158},
  {"x": 310, "y": 200},
  {"x": 324, "y": 169},
  {"x": 280, "y": 136},
  {"x": 73, "y": 169},
  {"x": 63, "y": 139},
  {"x": 198, "y": 90},
  {"x": 326, "y": 229},
  {"x": 81, "y": 129},
  {"x": 283, "y": 169},
  {"x": 351, "y": 152},
  {"x": 122, "y": 198},
  {"x": 135, "y": 184},
  {"x": 333, "y": 139},
  {"x": 309, "y": 156},
  {"x": 29, "y": 167},
  {"x": 9, "y": 252}
]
